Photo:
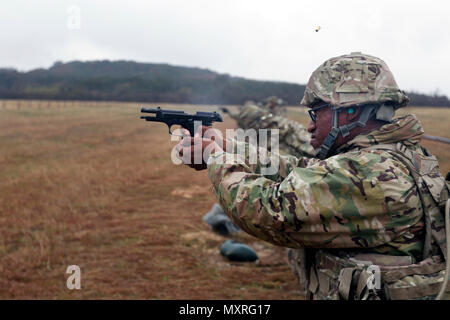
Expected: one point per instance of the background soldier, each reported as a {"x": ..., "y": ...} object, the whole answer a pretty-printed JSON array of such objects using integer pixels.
[
  {"x": 275, "y": 106},
  {"x": 371, "y": 202},
  {"x": 293, "y": 137}
]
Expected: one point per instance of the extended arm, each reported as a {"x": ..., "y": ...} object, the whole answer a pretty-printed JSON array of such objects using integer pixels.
[{"x": 322, "y": 205}]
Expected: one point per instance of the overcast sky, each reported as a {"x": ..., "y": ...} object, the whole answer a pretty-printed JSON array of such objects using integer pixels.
[{"x": 265, "y": 40}]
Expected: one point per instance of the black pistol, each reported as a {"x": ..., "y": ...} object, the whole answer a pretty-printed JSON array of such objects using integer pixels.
[{"x": 187, "y": 121}]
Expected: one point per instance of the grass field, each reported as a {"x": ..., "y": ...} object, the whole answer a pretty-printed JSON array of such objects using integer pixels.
[
  {"x": 90, "y": 184},
  {"x": 94, "y": 186}
]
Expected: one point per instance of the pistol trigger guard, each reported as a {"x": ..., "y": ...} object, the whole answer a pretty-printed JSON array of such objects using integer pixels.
[
  {"x": 171, "y": 133},
  {"x": 169, "y": 126}
]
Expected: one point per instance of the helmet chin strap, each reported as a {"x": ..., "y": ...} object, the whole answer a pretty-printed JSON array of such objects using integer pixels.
[{"x": 329, "y": 141}]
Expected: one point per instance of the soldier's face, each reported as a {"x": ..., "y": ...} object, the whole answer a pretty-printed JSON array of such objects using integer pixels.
[{"x": 321, "y": 127}]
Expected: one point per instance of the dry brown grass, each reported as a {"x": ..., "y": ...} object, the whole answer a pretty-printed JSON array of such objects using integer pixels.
[{"x": 95, "y": 187}]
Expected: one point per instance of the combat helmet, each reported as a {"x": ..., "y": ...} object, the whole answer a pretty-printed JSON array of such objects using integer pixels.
[
  {"x": 274, "y": 99},
  {"x": 349, "y": 81}
]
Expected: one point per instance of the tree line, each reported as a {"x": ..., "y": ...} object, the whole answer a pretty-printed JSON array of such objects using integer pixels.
[{"x": 147, "y": 82}]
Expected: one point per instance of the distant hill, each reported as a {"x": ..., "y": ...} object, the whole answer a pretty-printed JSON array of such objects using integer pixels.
[{"x": 133, "y": 81}]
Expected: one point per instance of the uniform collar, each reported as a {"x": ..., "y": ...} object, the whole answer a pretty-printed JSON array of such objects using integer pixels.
[{"x": 406, "y": 129}]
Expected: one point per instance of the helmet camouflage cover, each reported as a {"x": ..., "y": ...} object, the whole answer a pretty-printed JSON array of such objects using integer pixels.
[
  {"x": 274, "y": 99},
  {"x": 352, "y": 80}
]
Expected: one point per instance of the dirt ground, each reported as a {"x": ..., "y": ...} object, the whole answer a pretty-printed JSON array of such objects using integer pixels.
[{"x": 90, "y": 184}]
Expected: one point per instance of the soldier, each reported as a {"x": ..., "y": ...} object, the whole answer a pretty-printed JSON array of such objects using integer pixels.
[
  {"x": 243, "y": 115},
  {"x": 293, "y": 137},
  {"x": 366, "y": 217},
  {"x": 275, "y": 106}
]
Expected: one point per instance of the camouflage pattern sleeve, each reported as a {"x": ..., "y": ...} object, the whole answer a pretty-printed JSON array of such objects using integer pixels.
[
  {"x": 285, "y": 162},
  {"x": 358, "y": 199}
]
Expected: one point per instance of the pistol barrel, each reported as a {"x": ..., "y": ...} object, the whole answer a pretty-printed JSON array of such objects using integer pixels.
[{"x": 150, "y": 110}]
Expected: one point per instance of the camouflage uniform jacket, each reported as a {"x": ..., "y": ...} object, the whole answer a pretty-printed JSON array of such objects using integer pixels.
[
  {"x": 360, "y": 198},
  {"x": 294, "y": 139}
]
